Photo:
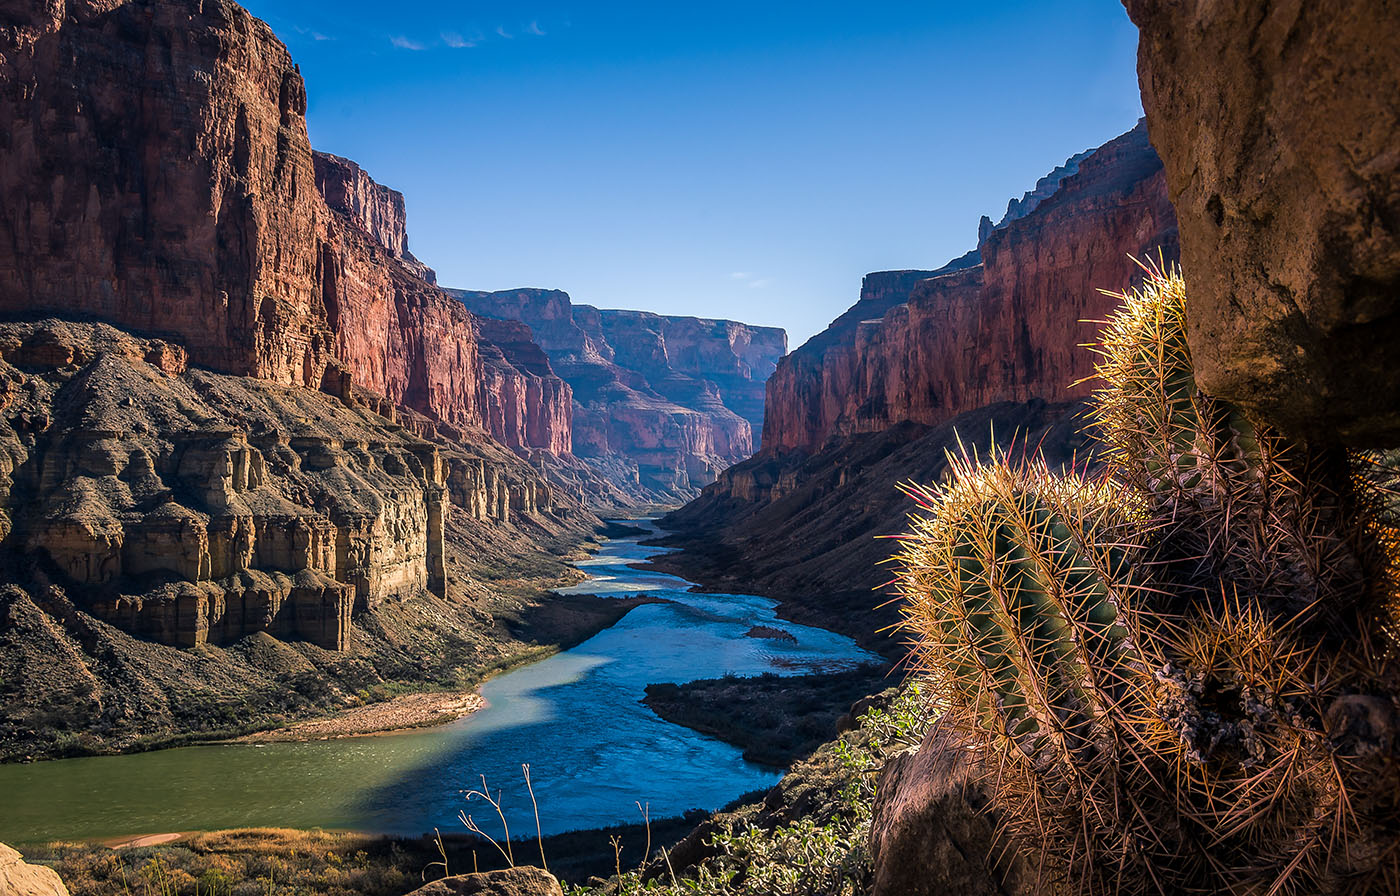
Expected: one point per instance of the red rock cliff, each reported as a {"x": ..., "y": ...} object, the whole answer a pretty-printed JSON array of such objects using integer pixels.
[
  {"x": 526, "y": 405},
  {"x": 926, "y": 347},
  {"x": 157, "y": 175},
  {"x": 348, "y": 189}
]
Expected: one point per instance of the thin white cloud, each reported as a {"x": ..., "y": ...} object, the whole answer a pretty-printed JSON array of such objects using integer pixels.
[
  {"x": 740, "y": 275},
  {"x": 501, "y": 30},
  {"x": 316, "y": 35},
  {"x": 535, "y": 29},
  {"x": 457, "y": 41},
  {"x": 403, "y": 43},
  {"x": 760, "y": 282}
]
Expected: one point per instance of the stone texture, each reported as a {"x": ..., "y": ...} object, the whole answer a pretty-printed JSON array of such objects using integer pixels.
[
  {"x": 525, "y": 881},
  {"x": 395, "y": 333},
  {"x": 1278, "y": 126},
  {"x": 931, "y": 832},
  {"x": 189, "y": 507},
  {"x": 19, "y": 878},
  {"x": 157, "y": 175},
  {"x": 660, "y": 404},
  {"x": 927, "y": 346}
]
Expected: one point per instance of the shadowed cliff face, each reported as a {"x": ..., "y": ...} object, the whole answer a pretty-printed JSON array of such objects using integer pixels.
[
  {"x": 661, "y": 404},
  {"x": 991, "y": 341},
  {"x": 1279, "y": 129}
]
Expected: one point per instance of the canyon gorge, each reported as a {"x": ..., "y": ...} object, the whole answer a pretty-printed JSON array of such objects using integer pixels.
[
  {"x": 236, "y": 405},
  {"x": 985, "y": 350},
  {"x": 662, "y": 403},
  {"x": 259, "y": 465}
]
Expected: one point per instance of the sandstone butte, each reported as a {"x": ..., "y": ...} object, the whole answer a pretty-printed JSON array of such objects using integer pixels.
[{"x": 662, "y": 402}]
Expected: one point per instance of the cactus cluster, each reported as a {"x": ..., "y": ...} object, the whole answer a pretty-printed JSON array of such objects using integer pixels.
[{"x": 1176, "y": 667}]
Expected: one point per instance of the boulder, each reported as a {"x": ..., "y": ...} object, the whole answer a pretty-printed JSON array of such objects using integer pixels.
[
  {"x": 19, "y": 878},
  {"x": 509, "y": 882},
  {"x": 931, "y": 834},
  {"x": 1277, "y": 123}
]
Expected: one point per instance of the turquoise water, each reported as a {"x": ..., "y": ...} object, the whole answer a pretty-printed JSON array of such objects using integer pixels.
[{"x": 594, "y": 750}]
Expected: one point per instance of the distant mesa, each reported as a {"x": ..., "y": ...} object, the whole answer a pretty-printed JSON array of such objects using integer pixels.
[{"x": 663, "y": 404}]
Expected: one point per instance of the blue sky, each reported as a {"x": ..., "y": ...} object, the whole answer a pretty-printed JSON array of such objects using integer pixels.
[{"x": 746, "y": 160}]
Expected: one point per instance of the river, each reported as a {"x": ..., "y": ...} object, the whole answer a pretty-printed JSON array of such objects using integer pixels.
[{"x": 595, "y": 751}]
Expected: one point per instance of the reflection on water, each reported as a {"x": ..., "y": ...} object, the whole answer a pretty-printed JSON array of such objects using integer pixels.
[{"x": 594, "y": 750}]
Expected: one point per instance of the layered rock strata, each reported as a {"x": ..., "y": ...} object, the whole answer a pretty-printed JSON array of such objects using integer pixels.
[
  {"x": 661, "y": 404},
  {"x": 189, "y": 507},
  {"x": 348, "y": 189},
  {"x": 1278, "y": 126},
  {"x": 927, "y": 346},
  {"x": 206, "y": 219}
]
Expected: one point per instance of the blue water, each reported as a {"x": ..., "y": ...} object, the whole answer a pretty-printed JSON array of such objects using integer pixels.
[{"x": 594, "y": 750}]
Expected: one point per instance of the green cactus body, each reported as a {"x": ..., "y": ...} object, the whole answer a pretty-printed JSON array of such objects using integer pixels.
[{"x": 1017, "y": 581}]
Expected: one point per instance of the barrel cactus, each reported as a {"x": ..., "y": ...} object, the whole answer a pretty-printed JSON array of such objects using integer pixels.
[
  {"x": 1236, "y": 501},
  {"x": 1178, "y": 673},
  {"x": 1021, "y": 586}
]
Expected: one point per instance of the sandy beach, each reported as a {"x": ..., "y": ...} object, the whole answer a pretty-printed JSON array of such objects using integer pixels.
[{"x": 399, "y": 714}]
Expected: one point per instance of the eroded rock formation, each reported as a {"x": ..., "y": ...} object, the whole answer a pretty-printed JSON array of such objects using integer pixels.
[
  {"x": 661, "y": 404},
  {"x": 348, "y": 189},
  {"x": 157, "y": 175},
  {"x": 191, "y": 507},
  {"x": 1278, "y": 126},
  {"x": 525, "y": 404}
]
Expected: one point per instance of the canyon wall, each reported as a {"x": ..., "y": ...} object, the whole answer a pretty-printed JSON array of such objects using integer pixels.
[
  {"x": 158, "y": 176},
  {"x": 526, "y": 404},
  {"x": 925, "y": 361},
  {"x": 927, "y": 346},
  {"x": 661, "y": 404},
  {"x": 257, "y": 410},
  {"x": 1279, "y": 129}
]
